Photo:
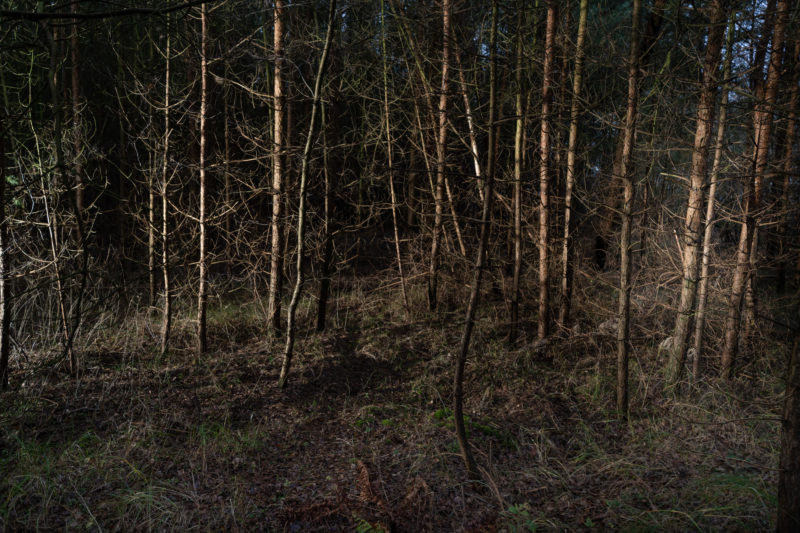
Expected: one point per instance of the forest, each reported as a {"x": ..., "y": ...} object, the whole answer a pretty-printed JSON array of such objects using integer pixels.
[{"x": 400, "y": 265}]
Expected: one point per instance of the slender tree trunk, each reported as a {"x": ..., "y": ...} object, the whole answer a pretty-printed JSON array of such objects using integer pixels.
[
  {"x": 52, "y": 223},
  {"x": 327, "y": 246},
  {"x": 389, "y": 150},
  {"x": 544, "y": 171},
  {"x": 766, "y": 95},
  {"x": 567, "y": 260},
  {"x": 441, "y": 158},
  {"x": 611, "y": 203},
  {"x": 276, "y": 260},
  {"x": 474, "y": 296},
  {"x": 517, "y": 224},
  {"x": 702, "y": 289},
  {"x": 626, "y": 175},
  {"x": 473, "y": 143},
  {"x": 788, "y": 164},
  {"x": 5, "y": 296},
  {"x": 226, "y": 167},
  {"x": 201, "y": 290},
  {"x": 77, "y": 139},
  {"x": 789, "y": 476},
  {"x": 151, "y": 214},
  {"x": 290, "y": 325},
  {"x": 166, "y": 324},
  {"x": 697, "y": 179}
]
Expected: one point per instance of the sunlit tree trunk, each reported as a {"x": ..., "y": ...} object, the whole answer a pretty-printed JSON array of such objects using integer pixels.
[
  {"x": 702, "y": 288},
  {"x": 697, "y": 183},
  {"x": 441, "y": 158},
  {"x": 201, "y": 290},
  {"x": 766, "y": 94},
  {"x": 517, "y": 223},
  {"x": 474, "y": 296},
  {"x": 298, "y": 284},
  {"x": 166, "y": 324},
  {"x": 473, "y": 142},
  {"x": 567, "y": 244},
  {"x": 276, "y": 259},
  {"x": 544, "y": 171},
  {"x": 628, "y": 194}
]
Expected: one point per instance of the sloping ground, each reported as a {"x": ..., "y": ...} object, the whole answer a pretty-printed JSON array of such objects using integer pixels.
[{"x": 362, "y": 438}]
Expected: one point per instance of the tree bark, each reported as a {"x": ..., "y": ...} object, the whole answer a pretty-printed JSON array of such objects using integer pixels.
[
  {"x": 702, "y": 289},
  {"x": 789, "y": 476},
  {"x": 276, "y": 259},
  {"x": 518, "y": 148},
  {"x": 766, "y": 94},
  {"x": 626, "y": 175},
  {"x": 201, "y": 290},
  {"x": 474, "y": 297},
  {"x": 5, "y": 296},
  {"x": 697, "y": 179},
  {"x": 441, "y": 158},
  {"x": 567, "y": 260},
  {"x": 290, "y": 321},
  {"x": 788, "y": 164},
  {"x": 544, "y": 171},
  {"x": 166, "y": 324},
  {"x": 389, "y": 150}
]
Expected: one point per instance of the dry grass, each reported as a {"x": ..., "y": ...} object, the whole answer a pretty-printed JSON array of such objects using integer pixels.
[{"x": 362, "y": 439}]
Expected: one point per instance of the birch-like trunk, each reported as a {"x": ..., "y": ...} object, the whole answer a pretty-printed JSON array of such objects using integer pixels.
[
  {"x": 276, "y": 259},
  {"x": 203, "y": 274}
]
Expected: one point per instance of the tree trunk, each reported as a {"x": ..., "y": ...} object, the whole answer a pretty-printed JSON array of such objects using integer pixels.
[
  {"x": 766, "y": 94},
  {"x": 52, "y": 224},
  {"x": 788, "y": 164},
  {"x": 789, "y": 476},
  {"x": 544, "y": 170},
  {"x": 626, "y": 175},
  {"x": 389, "y": 150},
  {"x": 567, "y": 260},
  {"x": 473, "y": 143},
  {"x": 5, "y": 297},
  {"x": 77, "y": 136},
  {"x": 441, "y": 159},
  {"x": 702, "y": 289},
  {"x": 166, "y": 324},
  {"x": 518, "y": 148},
  {"x": 276, "y": 259},
  {"x": 201, "y": 291},
  {"x": 697, "y": 179},
  {"x": 290, "y": 325},
  {"x": 474, "y": 296}
]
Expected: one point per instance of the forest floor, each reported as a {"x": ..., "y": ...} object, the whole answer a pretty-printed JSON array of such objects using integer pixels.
[{"x": 362, "y": 438}]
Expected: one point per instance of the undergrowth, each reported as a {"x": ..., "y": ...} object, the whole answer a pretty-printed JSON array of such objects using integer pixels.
[{"x": 362, "y": 439}]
